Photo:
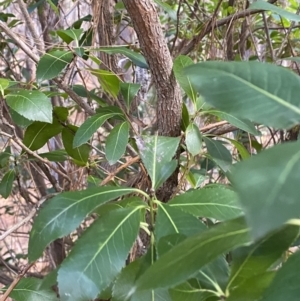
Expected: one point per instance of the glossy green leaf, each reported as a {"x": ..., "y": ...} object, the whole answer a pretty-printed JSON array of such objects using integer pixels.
[
  {"x": 29, "y": 289},
  {"x": 171, "y": 220},
  {"x": 250, "y": 90},
  {"x": 90, "y": 126},
  {"x": 193, "y": 139},
  {"x": 218, "y": 153},
  {"x": 4, "y": 83},
  {"x": 240, "y": 148},
  {"x": 69, "y": 35},
  {"x": 264, "y": 5},
  {"x": 61, "y": 113},
  {"x": 63, "y": 213},
  {"x": 256, "y": 259},
  {"x": 156, "y": 153},
  {"x": 81, "y": 153},
  {"x": 252, "y": 288},
  {"x": 90, "y": 94},
  {"x": 99, "y": 255},
  {"x": 116, "y": 142},
  {"x": 268, "y": 187},
  {"x": 216, "y": 202},
  {"x": 33, "y": 105},
  {"x": 109, "y": 81},
  {"x": 183, "y": 79},
  {"x": 129, "y": 91},
  {"x": 6, "y": 183},
  {"x": 244, "y": 125},
  {"x": 19, "y": 120},
  {"x": 285, "y": 285},
  {"x": 52, "y": 63},
  {"x": 125, "y": 282},
  {"x": 185, "y": 259},
  {"x": 38, "y": 133},
  {"x": 135, "y": 57}
]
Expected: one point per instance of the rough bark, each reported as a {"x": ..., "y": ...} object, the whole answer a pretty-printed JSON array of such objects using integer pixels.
[{"x": 146, "y": 23}]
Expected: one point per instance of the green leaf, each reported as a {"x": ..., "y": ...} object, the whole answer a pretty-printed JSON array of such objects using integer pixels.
[
  {"x": 171, "y": 12},
  {"x": 185, "y": 118},
  {"x": 116, "y": 142},
  {"x": 185, "y": 259},
  {"x": 255, "y": 259},
  {"x": 5, "y": 156},
  {"x": 125, "y": 282},
  {"x": 216, "y": 202},
  {"x": 135, "y": 57},
  {"x": 268, "y": 187},
  {"x": 244, "y": 125},
  {"x": 249, "y": 90},
  {"x": 129, "y": 91},
  {"x": 184, "y": 80},
  {"x": 38, "y": 133},
  {"x": 81, "y": 153},
  {"x": 6, "y": 183},
  {"x": 252, "y": 288},
  {"x": 188, "y": 292},
  {"x": 109, "y": 81},
  {"x": 156, "y": 153},
  {"x": 219, "y": 153},
  {"x": 274, "y": 9},
  {"x": 55, "y": 156},
  {"x": 193, "y": 139},
  {"x": 4, "y": 83},
  {"x": 52, "y": 63},
  {"x": 285, "y": 285},
  {"x": 63, "y": 213},
  {"x": 215, "y": 275},
  {"x": 91, "y": 125},
  {"x": 94, "y": 263},
  {"x": 170, "y": 220},
  {"x": 33, "y": 105},
  {"x": 240, "y": 147},
  {"x": 69, "y": 35},
  {"x": 28, "y": 289},
  {"x": 19, "y": 119}
]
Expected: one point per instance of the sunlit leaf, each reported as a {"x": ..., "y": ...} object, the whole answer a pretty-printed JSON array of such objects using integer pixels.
[
  {"x": 4, "y": 83},
  {"x": 33, "y": 105},
  {"x": 69, "y": 35},
  {"x": 129, "y": 91}
]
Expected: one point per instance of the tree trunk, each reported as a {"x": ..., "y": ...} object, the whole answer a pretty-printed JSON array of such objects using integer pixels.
[{"x": 146, "y": 23}]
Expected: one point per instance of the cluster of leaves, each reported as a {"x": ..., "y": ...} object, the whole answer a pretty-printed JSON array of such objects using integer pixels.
[{"x": 208, "y": 243}]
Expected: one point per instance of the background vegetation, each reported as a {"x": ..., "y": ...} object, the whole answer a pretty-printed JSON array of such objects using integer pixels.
[{"x": 149, "y": 150}]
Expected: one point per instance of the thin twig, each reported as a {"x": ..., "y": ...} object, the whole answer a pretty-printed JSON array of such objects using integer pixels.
[
  {"x": 27, "y": 218},
  {"x": 31, "y": 26},
  {"x": 214, "y": 125},
  {"x": 16, "y": 281},
  {"x": 177, "y": 26},
  {"x": 125, "y": 165},
  {"x": 268, "y": 36}
]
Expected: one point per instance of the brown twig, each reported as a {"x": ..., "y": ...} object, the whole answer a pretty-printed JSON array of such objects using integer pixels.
[
  {"x": 125, "y": 165},
  {"x": 16, "y": 281}
]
